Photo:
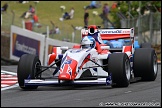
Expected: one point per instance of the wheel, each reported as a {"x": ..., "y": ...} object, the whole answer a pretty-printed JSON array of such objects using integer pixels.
[
  {"x": 119, "y": 67},
  {"x": 145, "y": 45},
  {"x": 27, "y": 68},
  {"x": 145, "y": 64}
]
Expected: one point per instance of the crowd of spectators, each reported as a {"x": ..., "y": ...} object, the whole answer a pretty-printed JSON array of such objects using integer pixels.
[{"x": 33, "y": 17}]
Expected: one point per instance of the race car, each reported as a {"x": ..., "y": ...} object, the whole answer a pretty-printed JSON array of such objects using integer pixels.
[{"x": 91, "y": 62}]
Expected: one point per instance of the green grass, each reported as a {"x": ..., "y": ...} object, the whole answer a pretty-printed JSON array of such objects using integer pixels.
[{"x": 50, "y": 11}]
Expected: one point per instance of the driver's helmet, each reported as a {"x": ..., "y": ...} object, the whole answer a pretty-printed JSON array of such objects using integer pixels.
[{"x": 88, "y": 42}]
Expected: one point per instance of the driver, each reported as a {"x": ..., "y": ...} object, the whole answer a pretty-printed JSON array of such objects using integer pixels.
[{"x": 88, "y": 42}]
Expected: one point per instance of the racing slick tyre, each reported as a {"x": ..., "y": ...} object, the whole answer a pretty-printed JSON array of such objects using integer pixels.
[
  {"x": 145, "y": 45},
  {"x": 145, "y": 64},
  {"x": 119, "y": 67},
  {"x": 27, "y": 69}
]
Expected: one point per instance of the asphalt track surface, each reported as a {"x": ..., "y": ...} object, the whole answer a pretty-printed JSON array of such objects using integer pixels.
[{"x": 137, "y": 94}]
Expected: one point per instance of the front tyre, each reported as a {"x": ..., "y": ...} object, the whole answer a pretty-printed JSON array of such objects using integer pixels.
[
  {"x": 119, "y": 66},
  {"x": 27, "y": 69}
]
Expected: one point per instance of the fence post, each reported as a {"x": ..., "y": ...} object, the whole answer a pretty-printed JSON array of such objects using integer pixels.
[
  {"x": 53, "y": 28},
  {"x": 23, "y": 24},
  {"x": 13, "y": 16},
  {"x": 1, "y": 19},
  {"x": 129, "y": 14},
  {"x": 48, "y": 31},
  {"x": 139, "y": 24},
  {"x": 150, "y": 26}
]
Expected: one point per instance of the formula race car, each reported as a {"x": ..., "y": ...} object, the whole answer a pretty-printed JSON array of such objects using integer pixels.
[{"x": 92, "y": 62}]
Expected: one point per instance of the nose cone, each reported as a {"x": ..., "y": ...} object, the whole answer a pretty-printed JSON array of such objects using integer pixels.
[{"x": 64, "y": 76}]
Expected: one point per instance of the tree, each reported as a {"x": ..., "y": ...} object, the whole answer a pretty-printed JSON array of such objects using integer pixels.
[{"x": 132, "y": 6}]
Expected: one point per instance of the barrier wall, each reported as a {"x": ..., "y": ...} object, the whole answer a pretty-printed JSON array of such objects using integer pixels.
[{"x": 23, "y": 41}]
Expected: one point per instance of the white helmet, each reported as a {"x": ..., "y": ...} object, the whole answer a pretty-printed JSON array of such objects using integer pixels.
[{"x": 88, "y": 42}]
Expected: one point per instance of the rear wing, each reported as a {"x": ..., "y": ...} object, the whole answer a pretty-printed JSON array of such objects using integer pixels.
[{"x": 110, "y": 34}]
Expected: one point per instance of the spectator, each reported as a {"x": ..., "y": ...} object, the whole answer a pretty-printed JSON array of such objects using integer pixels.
[
  {"x": 28, "y": 13},
  {"x": 92, "y": 5},
  {"x": 86, "y": 17},
  {"x": 23, "y": 2},
  {"x": 57, "y": 30},
  {"x": 4, "y": 7},
  {"x": 114, "y": 6},
  {"x": 69, "y": 15},
  {"x": 106, "y": 10},
  {"x": 104, "y": 15},
  {"x": 35, "y": 20}
]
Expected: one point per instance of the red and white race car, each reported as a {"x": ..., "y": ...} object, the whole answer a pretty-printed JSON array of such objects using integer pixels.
[{"x": 91, "y": 62}]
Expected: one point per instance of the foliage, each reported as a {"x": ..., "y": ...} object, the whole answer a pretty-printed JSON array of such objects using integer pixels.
[{"x": 132, "y": 6}]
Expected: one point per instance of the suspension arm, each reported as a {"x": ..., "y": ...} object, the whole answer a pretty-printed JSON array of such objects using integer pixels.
[
  {"x": 96, "y": 64},
  {"x": 46, "y": 67}
]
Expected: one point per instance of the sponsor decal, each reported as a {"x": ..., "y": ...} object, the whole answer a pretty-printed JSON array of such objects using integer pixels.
[
  {"x": 115, "y": 31},
  {"x": 76, "y": 50},
  {"x": 24, "y": 45},
  {"x": 24, "y": 48},
  {"x": 68, "y": 61}
]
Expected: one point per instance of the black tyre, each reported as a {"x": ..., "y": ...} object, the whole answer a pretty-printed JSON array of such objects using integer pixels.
[
  {"x": 119, "y": 66},
  {"x": 145, "y": 64},
  {"x": 27, "y": 69},
  {"x": 145, "y": 45}
]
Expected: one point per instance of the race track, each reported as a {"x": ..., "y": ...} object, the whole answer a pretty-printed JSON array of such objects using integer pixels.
[{"x": 137, "y": 94}]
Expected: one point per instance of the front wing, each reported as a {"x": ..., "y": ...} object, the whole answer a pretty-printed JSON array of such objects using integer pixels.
[
  {"x": 43, "y": 82},
  {"x": 99, "y": 81}
]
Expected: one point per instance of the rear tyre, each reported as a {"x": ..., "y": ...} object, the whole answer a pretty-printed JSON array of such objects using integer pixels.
[
  {"x": 145, "y": 64},
  {"x": 119, "y": 66},
  {"x": 145, "y": 45},
  {"x": 27, "y": 69}
]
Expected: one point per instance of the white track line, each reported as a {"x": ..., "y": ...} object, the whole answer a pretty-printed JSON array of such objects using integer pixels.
[
  {"x": 16, "y": 85},
  {"x": 13, "y": 78},
  {"x": 8, "y": 82},
  {"x": 12, "y": 73}
]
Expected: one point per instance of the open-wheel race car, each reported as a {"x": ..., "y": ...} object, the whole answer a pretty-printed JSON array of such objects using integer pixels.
[{"x": 92, "y": 62}]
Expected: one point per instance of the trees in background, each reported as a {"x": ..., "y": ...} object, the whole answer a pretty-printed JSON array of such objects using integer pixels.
[{"x": 128, "y": 9}]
